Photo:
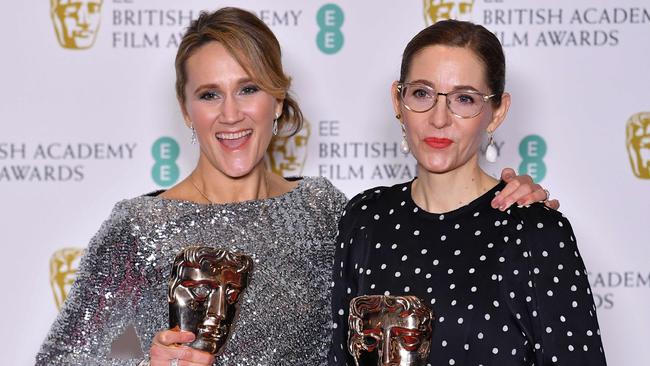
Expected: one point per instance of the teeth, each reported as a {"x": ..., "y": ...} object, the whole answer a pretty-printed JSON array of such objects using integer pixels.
[{"x": 233, "y": 136}]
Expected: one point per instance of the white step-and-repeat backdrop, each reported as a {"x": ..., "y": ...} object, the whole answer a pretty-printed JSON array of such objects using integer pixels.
[{"x": 88, "y": 117}]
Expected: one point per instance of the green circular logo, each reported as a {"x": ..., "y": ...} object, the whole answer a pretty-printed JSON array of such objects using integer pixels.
[
  {"x": 165, "y": 151},
  {"x": 330, "y": 19},
  {"x": 532, "y": 150}
]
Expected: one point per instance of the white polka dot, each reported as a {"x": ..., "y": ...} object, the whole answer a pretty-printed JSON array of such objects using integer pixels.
[
  {"x": 394, "y": 246},
  {"x": 450, "y": 271},
  {"x": 460, "y": 320},
  {"x": 473, "y": 289},
  {"x": 386, "y": 293},
  {"x": 513, "y": 352},
  {"x": 476, "y": 214},
  {"x": 435, "y": 262},
  {"x": 497, "y": 223},
  {"x": 404, "y": 258},
  {"x": 569, "y": 334},
  {"x": 451, "y": 361},
  {"x": 457, "y": 252},
  {"x": 444, "y": 343},
  {"x": 441, "y": 217},
  {"x": 376, "y": 217},
  {"x": 397, "y": 274},
  {"x": 397, "y": 227},
  {"x": 574, "y": 288},
  {"x": 407, "y": 289},
  {"x": 415, "y": 209},
  {"x": 495, "y": 303},
  {"x": 505, "y": 328},
  {"x": 417, "y": 270},
  {"x": 549, "y": 293},
  {"x": 544, "y": 253},
  {"x": 482, "y": 258},
  {"x": 428, "y": 275},
  {"x": 368, "y": 271},
  {"x": 477, "y": 233},
  {"x": 471, "y": 270},
  {"x": 487, "y": 316},
  {"x": 574, "y": 304},
  {"x": 571, "y": 348},
  {"x": 466, "y": 346},
  {"x": 495, "y": 350},
  {"x": 457, "y": 226},
  {"x": 429, "y": 289},
  {"x": 423, "y": 251},
  {"x": 512, "y": 295},
  {"x": 383, "y": 266},
  {"x": 549, "y": 329},
  {"x": 452, "y": 286},
  {"x": 479, "y": 335},
  {"x": 416, "y": 232},
  {"x": 341, "y": 312},
  {"x": 540, "y": 225},
  {"x": 554, "y": 359},
  {"x": 590, "y": 333},
  {"x": 372, "y": 286},
  {"x": 364, "y": 207},
  {"x": 443, "y": 238},
  {"x": 335, "y": 325},
  {"x": 391, "y": 211}
]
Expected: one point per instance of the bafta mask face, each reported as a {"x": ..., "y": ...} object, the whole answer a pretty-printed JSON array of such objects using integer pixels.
[
  {"x": 286, "y": 155},
  {"x": 203, "y": 292},
  {"x": 389, "y": 330},
  {"x": 638, "y": 144},
  {"x": 76, "y": 22},
  {"x": 436, "y": 10},
  {"x": 63, "y": 269}
]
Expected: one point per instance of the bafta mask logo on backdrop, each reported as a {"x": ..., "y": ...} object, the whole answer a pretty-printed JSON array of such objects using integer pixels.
[
  {"x": 435, "y": 10},
  {"x": 204, "y": 289},
  {"x": 64, "y": 264},
  {"x": 286, "y": 156},
  {"x": 389, "y": 330},
  {"x": 637, "y": 141},
  {"x": 76, "y": 22},
  {"x": 532, "y": 150}
]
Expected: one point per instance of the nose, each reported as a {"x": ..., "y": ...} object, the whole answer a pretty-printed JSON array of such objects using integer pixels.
[
  {"x": 217, "y": 304},
  {"x": 82, "y": 14},
  {"x": 387, "y": 357},
  {"x": 440, "y": 115},
  {"x": 230, "y": 110}
]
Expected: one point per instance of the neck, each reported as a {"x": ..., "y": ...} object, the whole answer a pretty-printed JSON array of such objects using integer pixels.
[
  {"x": 444, "y": 192},
  {"x": 216, "y": 187}
]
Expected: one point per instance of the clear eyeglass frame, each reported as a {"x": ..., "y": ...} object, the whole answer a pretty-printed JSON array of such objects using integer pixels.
[{"x": 483, "y": 98}]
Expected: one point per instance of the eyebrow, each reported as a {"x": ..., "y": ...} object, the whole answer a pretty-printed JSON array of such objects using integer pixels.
[
  {"x": 240, "y": 81},
  {"x": 456, "y": 87}
]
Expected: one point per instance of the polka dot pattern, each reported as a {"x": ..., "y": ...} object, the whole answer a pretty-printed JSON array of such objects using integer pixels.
[{"x": 507, "y": 288}]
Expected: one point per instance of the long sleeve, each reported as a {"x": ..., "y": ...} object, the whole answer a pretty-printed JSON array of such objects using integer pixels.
[
  {"x": 563, "y": 324},
  {"x": 344, "y": 281},
  {"x": 101, "y": 301}
]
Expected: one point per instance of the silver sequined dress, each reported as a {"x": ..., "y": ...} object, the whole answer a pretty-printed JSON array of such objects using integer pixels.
[{"x": 284, "y": 317}]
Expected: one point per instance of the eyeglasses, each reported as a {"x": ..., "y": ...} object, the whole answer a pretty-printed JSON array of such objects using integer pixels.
[{"x": 418, "y": 97}]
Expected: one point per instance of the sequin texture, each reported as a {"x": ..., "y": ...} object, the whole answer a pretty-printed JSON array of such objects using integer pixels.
[{"x": 284, "y": 316}]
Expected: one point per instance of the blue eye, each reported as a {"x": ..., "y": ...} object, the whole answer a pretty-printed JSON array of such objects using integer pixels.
[
  {"x": 465, "y": 99},
  {"x": 421, "y": 93},
  {"x": 249, "y": 89}
]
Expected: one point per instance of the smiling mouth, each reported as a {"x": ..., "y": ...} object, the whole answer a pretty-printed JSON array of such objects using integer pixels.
[{"x": 233, "y": 140}]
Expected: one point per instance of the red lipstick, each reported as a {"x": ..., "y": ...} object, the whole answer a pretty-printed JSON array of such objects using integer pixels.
[{"x": 437, "y": 143}]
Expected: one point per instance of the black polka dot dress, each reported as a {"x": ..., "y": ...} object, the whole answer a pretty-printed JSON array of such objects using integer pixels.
[{"x": 507, "y": 288}]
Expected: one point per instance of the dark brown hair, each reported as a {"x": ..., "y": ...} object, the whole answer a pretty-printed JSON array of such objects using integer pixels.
[
  {"x": 455, "y": 33},
  {"x": 255, "y": 48}
]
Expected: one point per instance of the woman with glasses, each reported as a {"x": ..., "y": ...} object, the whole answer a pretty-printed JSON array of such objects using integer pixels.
[{"x": 506, "y": 287}]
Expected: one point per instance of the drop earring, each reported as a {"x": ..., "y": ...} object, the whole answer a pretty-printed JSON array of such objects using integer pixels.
[
  {"x": 274, "y": 130},
  {"x": 404, "y": 144},
  {"x": 491, "y": 153},
  {"x": 193, "y": 136}
]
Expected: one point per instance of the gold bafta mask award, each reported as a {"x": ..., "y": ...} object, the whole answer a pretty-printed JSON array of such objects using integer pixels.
[
  {"x": 76, "y": 22},
  {"x": 204, "y": 288},
  {"x": 637, "y": 141},
  {"x": 389, "y": 330}
]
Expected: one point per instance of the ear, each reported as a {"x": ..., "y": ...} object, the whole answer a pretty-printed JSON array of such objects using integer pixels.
[
  {"x": 186, "y": 116},
  {"x": 500, "y": 113},
  {"x": 279, "y": 105},
  {"x": 394, "y": 95}
]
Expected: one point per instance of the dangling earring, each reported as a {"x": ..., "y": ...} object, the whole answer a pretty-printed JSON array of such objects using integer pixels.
[
  {"x": 491, "y": 149},
  {"x": 193, "y": 137},
  {"x": 404, "y": 145},
  {"x": 275, "y": 125}
]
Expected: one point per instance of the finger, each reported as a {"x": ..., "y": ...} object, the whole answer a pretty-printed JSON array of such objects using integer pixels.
[
  {"x": 162, "y": 355},
  {"x": 537, "y": 194},
  {"x": 509, "y": 189},
  {"x": 173, "y": 336},
  {"x": 523, "y": 195},
  {"x": 554, "y": 204},
  {"x": 507, "y": 174}
]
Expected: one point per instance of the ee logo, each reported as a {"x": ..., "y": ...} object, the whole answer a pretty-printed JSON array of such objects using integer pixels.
[
  {"x": 330, "y": 20},
  {"x": 532, "y": 149},
  {"x": 165, "y": 151}
]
